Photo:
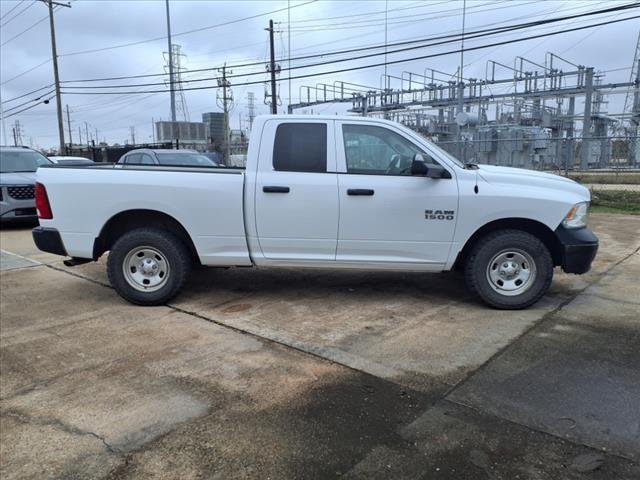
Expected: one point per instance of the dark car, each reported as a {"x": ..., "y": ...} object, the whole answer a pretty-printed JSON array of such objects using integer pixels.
[
  {"x": 174, "y": 158},
  {"x": 18, "y": 167}
]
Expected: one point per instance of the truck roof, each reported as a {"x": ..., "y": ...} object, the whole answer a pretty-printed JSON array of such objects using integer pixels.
[{"x": 325, "y": 117}]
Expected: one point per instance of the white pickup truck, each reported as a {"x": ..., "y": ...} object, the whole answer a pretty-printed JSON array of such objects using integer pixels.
[{"x": 320, "y": 192}]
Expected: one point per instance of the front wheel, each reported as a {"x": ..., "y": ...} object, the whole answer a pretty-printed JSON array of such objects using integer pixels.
[
  {"x": 509, "y": 269},
  {"x": 148, "y": 266}
]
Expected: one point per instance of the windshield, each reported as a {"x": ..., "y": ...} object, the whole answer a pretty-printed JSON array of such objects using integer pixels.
[
  {"x": 27, "y": 161},
  {"x": 184, "y": 159}
]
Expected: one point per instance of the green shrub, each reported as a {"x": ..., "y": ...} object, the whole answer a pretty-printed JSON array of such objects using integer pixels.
[
  {"x": 621, "y": 200},
  {"x": 623, "y": 178}
]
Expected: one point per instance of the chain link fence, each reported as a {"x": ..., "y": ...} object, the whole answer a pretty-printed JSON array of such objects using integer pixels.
[{"x": 610, "y": 163}]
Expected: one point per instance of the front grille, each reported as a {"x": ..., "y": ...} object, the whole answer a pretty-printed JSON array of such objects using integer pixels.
[{"x": 21, "y": 193}]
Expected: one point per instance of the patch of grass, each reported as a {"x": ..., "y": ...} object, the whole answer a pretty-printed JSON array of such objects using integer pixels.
[
  {"x": 617, "y": 211},
  {"x": 615, "y": 201},
  {"x": 623, "y": 178}
]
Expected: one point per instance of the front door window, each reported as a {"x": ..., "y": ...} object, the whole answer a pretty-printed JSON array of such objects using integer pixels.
[{"x": 373, "y": 150}]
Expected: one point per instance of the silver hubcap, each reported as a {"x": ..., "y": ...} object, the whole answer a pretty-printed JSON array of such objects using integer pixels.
[
  {"x": 511, "y": 272},
  {"x": 146, "y": 269}
]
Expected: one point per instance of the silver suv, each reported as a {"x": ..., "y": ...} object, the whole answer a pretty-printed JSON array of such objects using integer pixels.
[
  {"x": 18, "y": 167},
  {"x": 173, "y": 158}
]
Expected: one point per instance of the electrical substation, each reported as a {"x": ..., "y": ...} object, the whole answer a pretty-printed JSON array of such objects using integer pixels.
[{"x": 542, "y": 114}]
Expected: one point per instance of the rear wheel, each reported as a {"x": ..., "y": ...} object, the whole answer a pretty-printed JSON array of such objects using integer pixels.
[
  {"x": 509, "y": 269},
  {"x": 148, "y": 266}
]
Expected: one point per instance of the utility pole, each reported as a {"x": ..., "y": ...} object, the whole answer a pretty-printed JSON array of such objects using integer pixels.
[
  {"x": 289, "y": 53},
  {"x": 80, "y": 135},
  {"x": 226, "y": 103},
  {"x": 272, "y": 70},
  {"x": 132, "y": 129},
  {"x": 226, "y": 114},
  {"x": 97, "y": 141},
  {"x": 56, "y": 78},
  {"x": 4, "y": 126},
  {"x": 170, "y": 53},
  {"x": 86, "y": 129},
  {"x": 69, "y": 125},
  {"x": 17, "y": 133}
]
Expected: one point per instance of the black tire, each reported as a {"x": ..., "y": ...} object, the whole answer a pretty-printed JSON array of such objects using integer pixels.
[
  {"x": 484, "y": 262},
  {"x": 175, "y": 257}
]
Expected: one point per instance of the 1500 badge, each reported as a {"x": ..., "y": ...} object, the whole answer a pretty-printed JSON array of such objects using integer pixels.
[{"x": 439, "y": 214}]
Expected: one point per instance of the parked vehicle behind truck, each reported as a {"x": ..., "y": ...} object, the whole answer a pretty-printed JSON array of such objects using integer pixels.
[
  {"x": 18, "y": 167},
  {"x": 321, "y": 192},
  {"x": 175, "y": 158}
]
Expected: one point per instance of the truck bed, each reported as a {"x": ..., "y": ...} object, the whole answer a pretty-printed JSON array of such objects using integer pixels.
[{"x": 206, "y": 201}]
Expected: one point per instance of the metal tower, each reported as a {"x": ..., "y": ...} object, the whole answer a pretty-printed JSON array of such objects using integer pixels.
[
  {"x": 631, "y": 109},
  {"x": 635, "y": 67},
  {"x": 251, "y": 106},
  {"x": 177, "y": 64}
]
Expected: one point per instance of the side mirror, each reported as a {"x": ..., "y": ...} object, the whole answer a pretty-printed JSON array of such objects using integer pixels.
[
  {"x": 437, "y": 171},
  {"x": 419, "y": 168},
  {"x": 431, "y": 170}
]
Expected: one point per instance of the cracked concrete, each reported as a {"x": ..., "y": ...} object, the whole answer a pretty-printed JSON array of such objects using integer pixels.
[
  {"x": 293, "y": 374},
  {"x": 54, "y": 422}
]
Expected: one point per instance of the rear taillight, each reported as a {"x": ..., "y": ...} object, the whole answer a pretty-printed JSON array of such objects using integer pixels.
[{"x": 42, "y": 202}]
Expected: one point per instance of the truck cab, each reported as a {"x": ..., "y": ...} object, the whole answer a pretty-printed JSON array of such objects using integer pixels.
[{"x": 343, "y": 191}]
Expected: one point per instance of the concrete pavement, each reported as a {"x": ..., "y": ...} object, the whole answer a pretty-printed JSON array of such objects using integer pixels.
[{"x": 304, "y": 374}]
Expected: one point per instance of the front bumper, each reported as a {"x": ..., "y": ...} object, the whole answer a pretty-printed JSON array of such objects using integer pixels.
[
  {"x": 48, "y": 240},
  {"x": 16, "y": 208},
  {"x": 578, "y": 248}
]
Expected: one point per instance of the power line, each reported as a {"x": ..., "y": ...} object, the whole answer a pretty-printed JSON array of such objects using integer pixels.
[
  {"x": 419, "y": 17},
  {"x": 46, "y": 100},
  {"x": 12, "y": 9},
  {"x": 343, "y": 39},
  {"x": 409, "y": 7},
  {"x": 363, "y": 67},
  {"x": 143, "y": 75},
  {"x": 24, "y": 31},
  {"x": 29, "y": 101},
  {"x": 323, "y": 54},
  {"x": 26, "y": 71},
  {"x": 19, "y": 13},
  {"x": 26, "y": 94},
  {"x": 473, "y": 34},
  {"x": 209, "y": 27},
  {"x": 451, "y": 38}
]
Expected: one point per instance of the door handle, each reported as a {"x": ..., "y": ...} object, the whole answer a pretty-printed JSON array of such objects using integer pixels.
[
  {"x": 275, "y": 189},
  {"x": 360, "y": 191}
]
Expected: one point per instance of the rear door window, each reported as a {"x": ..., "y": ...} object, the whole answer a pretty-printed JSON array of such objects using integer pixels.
[
  {"x": 133, "y": 159},
  {"x": 300, "y": 147},
  {"x": 145, "y": 159}
]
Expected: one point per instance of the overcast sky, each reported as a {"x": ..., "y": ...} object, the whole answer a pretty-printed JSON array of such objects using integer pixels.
[{"x": 316, "y": 27}]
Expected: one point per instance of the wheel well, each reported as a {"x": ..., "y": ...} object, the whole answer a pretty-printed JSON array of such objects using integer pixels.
[
  {"x": 539, "y": 230},
  {"x": 129, "y": 220}
]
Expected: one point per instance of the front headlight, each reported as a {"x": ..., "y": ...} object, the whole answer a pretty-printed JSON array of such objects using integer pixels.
[{"x": 577, "y": 216}]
